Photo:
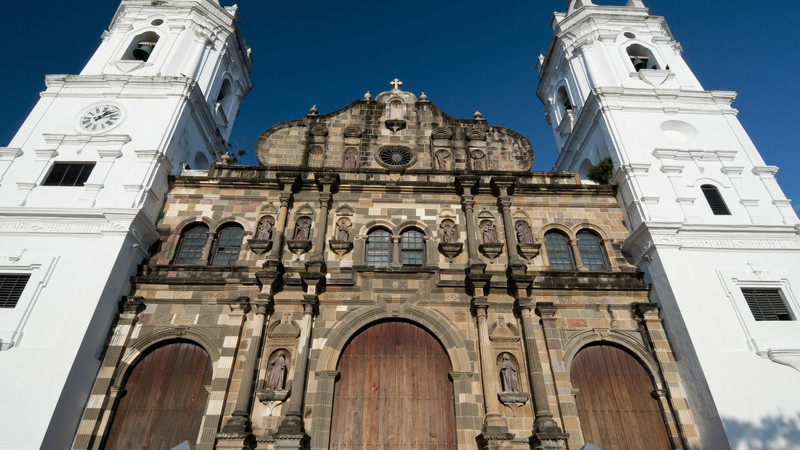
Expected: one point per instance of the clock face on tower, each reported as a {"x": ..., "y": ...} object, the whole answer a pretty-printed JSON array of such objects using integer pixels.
[{"x": 100, "y": 118}]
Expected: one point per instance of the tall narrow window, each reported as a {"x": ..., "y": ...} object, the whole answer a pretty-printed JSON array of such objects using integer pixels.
[
  {"x": 715, "y": 201},
  {"x": 227, "y": 245},
  {"x": 379, "y": 248},
  {"x": 591, "y": 251},
  {"x": 412, "y": 248},
  {"x": 190, "y": 247},
  {"x": 558, "y": 251},
  {"x": 766, "y": 304},
  {"x": 11, "y": 287},
  {"x": 68, "y": 174}
]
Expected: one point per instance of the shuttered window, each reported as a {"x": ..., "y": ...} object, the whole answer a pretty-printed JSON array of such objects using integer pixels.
[
  {"x": 715, "y": 201},
  {"x": 69, "y": 174},
  {"x": 766, "y": 304},
  {"x": 11, "y": 287}
]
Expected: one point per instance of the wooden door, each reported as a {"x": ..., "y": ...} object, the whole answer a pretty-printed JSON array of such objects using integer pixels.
[
  {"x": 615, "y": 405},
  {"x": 394, "y": 391},
  {"x": 164, "y": 401}
]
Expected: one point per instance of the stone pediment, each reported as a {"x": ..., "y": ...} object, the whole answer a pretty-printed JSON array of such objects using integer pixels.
[{"x": 352, "y": 137}]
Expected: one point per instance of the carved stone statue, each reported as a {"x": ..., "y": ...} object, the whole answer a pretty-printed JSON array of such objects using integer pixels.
[
  {"x": 342, "y": 230},
  {"x": 264, "y": 230},
  {"x": 303, "y": 230},
  {"x": 477, "y": 164},
  {"x": 277, "y": 372},
  {"x": 350, "y": 160},
  {"x": 524, "y": 233},
  {"x": 489, "y": 233},
  {"x": 509, "y": 375},
  {"x": 448, "y": 232},
  {"x": 442, "y": 160}
]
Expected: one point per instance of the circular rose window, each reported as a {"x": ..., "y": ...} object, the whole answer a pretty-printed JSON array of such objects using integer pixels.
[{"x": 395, "y": 157}]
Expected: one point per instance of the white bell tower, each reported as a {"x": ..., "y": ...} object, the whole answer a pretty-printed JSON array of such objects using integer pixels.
[
  {"x": 81, "y": 185},
  {"x": 710, "y": 227}
]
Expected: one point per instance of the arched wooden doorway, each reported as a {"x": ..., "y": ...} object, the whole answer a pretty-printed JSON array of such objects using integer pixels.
[
  {"x": 394, "y": 391},
  {"x": 164, "y": 400},
  {"x": 615, "y": 405}
]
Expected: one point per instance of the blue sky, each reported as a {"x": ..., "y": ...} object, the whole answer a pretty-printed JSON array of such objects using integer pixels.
[{"x": 464, "y": 55}]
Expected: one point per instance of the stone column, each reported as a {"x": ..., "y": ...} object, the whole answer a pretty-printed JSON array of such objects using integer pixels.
[
  {"x": 239, "y": 425},
  {"x": 395, "y": 252},
  {"x": 206, "y": 254},
  {"x": 494, "y": 425},
  {"x": 192, "y": 62},
  {"x": 573, "y": 245},
  {"x": 326, "y": 184},
  {"x": 291, "y": 432},
  {"x": 546, "y": 432},
  {"x": 469, "y": 185},
  {"x": 287, "y": 183},
  {"x": 504, "y": 189}
]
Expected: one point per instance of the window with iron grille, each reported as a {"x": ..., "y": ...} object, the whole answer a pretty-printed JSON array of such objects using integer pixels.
[
  {"x": 190, "y": 247},
  {"x": 558, "y": 251},
  {"x": 591, "y": 251},
  {"x": 227, "y": 245},
  {"x": 715, "y": 201},
  {"x": 68, "y": 174},
  {"x": 379, "y": 248},
  {"x": 412, "y": 248},
  {"x": 766, "y": 304},
  {"x": 11, "y": 287}
]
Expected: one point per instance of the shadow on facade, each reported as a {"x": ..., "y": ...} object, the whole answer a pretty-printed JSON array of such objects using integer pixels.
[{"x": 774, "y": 432}]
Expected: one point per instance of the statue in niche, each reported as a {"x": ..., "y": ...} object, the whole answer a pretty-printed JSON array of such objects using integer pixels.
[
  {"x": 509, "y": 375},
  {"x": 277, "y": 372},
  {"x": 350, "y": 160},
  {"x": 477, "y": 163},
  {"x": 396, "y": 110},
  {"x": 303, "y": 230},
  {"x": 441, "y": 159},
  {"x": 489, "y": 232},
  {"x": 343, "y": 230},
  {"x": 448, "y": 232},
  {"x": 264, "y": 230},
  {"x": 524, "y": 233}
]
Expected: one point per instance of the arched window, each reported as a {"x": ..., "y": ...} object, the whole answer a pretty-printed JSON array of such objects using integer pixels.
[
  {"x": 558, "y": 251},
  {"x": 190, "y": 247},
  {"x": 227, "y": 245},
  {"x": 642, "y": 58},
  {"x": 412, "y": 248},
  {"x": 591, "y": 251},
  {"x": 379, "y": 248},
  {"x": 563, "y": 103},
  {"x": 142, "y": 47},
  {"x": 715, "y": 201}
]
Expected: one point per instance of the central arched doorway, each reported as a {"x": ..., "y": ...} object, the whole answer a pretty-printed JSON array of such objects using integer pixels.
[{"x": 394, "y": 391}]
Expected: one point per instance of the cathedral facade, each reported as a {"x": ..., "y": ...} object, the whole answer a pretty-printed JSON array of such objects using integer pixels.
[{"x": 390, "y": 276}]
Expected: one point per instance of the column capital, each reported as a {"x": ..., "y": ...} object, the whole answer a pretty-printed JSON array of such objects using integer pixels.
[
  {"x": 503, "y": 185},
  {"x": 647, "y": 311},
  {"x": 546, "y": 310}
]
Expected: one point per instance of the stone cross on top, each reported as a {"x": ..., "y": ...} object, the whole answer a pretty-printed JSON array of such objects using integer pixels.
[{"x": 396, "y": 83}]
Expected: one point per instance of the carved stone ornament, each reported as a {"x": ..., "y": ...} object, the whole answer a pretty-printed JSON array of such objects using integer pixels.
[
  {"x": 259, "y": 246},
  {"x": 491, "y": 251},
  {"x": 341, "y": 248},
  {"x": 513, "y": 398},
  {"x": 395, "y": 124},
  {"x": 529, "y": 251},
  {"x": 298, "y": 246},
  {"x": 450, "y": 249},
  {"x": 273, "y": 395}
]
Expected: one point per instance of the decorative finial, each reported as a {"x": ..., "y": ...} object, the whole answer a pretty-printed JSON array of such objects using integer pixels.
[
  {"x": 423, "y": 97},
  {"x": 367, "y": 96},
  {"x": 477, "y": 115},
  {"x": 396, "y": 83},
  {"x": 313, "y": 111},
  {"x": 226, "y": 158}
]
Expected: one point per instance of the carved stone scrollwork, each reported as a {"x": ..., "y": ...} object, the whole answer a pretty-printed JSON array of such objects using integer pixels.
[{"x": 298, "y": 246}]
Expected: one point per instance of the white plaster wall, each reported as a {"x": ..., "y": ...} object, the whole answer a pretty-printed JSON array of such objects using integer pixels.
[{"x": 58, "y": 328}]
